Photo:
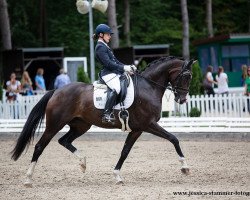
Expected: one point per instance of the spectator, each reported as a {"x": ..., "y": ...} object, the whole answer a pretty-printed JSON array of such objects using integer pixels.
[
  {"x": 13, "y": 88},
  {"x": 208, "y": 82},
  {"x": 61, "y": 80},
  {"x": 26, "y": 84},
  {"x": 247, "y": 88},
  {"x": 247, "y": 82},
  {"x": 244, "y": 74},
  {"x": 40, "y": 83},
  {"x": 222, "y": 81}
]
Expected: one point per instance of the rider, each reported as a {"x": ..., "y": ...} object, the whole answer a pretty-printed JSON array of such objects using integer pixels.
[{"x": 112, "y": 68}]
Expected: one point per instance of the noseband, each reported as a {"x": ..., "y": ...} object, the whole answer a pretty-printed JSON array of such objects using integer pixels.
[{"x": 184, "y": 74}]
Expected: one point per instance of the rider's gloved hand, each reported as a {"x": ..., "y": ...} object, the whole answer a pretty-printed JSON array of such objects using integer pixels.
[
  {"x": 128, "y": 68},
  {"x": 133, "y": 67}
]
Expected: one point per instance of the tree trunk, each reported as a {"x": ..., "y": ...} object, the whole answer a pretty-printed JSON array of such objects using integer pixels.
[
  {"x": 113, "y": 23},
  {"x": 5, "y": 25},
  {"x": 127, "y": 22},
  {"x": 185, "y": 29},
  {"x": 209, "y": 18},
  {"x": 43, "y": 23}
]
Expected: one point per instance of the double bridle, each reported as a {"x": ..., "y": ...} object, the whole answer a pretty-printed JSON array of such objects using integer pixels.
[{"x": 176, "y": 87}]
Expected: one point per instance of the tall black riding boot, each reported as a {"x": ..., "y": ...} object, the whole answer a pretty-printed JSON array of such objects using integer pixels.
[{"x": 107, "y": 115}]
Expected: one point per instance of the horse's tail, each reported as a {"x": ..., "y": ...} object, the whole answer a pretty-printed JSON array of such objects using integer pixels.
[{"x": 35, "y": 118}]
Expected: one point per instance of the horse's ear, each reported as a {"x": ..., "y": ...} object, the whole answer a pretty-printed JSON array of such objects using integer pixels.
[{"x": 189, "y": 65}]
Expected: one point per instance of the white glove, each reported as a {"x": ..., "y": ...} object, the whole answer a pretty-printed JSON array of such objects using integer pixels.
[
  {"x": 133, "y": 67},
  {"x": 128, "y": 68}
]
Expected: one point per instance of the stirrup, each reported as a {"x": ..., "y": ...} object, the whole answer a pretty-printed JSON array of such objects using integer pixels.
[{"x": 108, "y": 118}]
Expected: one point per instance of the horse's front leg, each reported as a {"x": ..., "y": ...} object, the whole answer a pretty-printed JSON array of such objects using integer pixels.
[
  {"x": 131, "y": 138},
  {"x": 157, "y": 130}
]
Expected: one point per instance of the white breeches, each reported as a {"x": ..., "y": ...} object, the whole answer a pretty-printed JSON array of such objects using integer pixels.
[{"x": 113, "y": 81}]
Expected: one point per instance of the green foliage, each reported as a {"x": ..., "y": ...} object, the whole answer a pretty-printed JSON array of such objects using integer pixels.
[
  {"x": 152, "y": 22},
  {"x": 143, "y": 65},
  {"x": 165, "y": 114},
  {"x": 82, "y": 76},
  {"x": 195, "y": 112},
  {"x": 196, "y": 83}
]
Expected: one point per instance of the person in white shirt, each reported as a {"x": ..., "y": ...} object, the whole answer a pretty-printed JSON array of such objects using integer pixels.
[
  {"x": 13, "y": 88},
  {"x": 222, "y": 81}
]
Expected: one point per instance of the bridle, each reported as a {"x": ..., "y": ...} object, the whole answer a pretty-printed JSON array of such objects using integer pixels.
[{"x": 185, "y": 72}]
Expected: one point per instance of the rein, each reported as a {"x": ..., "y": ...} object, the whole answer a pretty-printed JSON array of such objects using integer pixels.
[{"x": 178, "y": 78}]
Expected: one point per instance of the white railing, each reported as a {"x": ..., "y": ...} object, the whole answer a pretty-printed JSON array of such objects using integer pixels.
[
  {"x": 19, "y": 109},
  {"x": 174, "y": 124},
  {"x": 231, "y": 105}
]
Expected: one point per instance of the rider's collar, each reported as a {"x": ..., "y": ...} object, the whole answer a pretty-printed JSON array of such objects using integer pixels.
[{"x": 99, "y": 40}]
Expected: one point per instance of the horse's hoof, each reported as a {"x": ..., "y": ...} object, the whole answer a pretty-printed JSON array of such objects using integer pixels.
[
  {"x": 185, "y": 171},
  {"x": 119, "y": 183},
  {"x": 83, "y": 168},
  {"x": 28, "y": 184}
]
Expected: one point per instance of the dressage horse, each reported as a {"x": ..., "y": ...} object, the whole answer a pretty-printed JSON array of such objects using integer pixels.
[{"x": 73, "y": 105}]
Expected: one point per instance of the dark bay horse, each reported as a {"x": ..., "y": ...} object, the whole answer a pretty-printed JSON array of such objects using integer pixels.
[{"x": 73, "y": 105}]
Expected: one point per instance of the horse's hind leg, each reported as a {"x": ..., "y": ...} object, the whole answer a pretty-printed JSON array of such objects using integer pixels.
[
  {"x": 131, "y": 139},
  {"x": 69, "y": 137},
  {"x": 157, "y": 130},
  {"x": 39, "y": 147}
]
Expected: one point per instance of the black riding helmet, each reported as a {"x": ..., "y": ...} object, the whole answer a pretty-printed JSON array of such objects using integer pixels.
[{"x": 103, "y": 28}]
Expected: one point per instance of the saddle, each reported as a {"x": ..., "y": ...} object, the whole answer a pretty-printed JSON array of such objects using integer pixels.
[
  {"x": 124, "y": 99},
  {"x": 124, "y": 83}
]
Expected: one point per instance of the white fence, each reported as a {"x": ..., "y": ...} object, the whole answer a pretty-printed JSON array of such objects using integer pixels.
[
  {"x": 231, "y": 105},
  {"x": 174, "y": 124},
  {"x": 19, "y": 109}
]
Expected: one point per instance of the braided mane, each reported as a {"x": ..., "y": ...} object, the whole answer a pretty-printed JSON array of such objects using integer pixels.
[{"x": 161, "y": 60}]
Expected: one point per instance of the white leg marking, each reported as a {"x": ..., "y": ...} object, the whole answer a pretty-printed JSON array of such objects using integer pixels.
[
  {"x": 82, "y": 161},
  {"x": 118, "y": 177},
  {"x": 29, "y": 174},
  {"x": 183, "y": 162},
  {"x": 184, "y": 166}
]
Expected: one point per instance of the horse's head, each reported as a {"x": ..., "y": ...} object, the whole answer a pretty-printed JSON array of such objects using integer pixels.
[{"x": 180, "y": 81}]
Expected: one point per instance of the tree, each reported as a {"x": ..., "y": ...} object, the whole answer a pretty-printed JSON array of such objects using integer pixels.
[
  {"x": 113, "y": 23},
  {"x": 209, "y": 18},
  {"x": 127, "y": 22},
  {"x": 195, "y": 85},
  {"x": 5, "y": 25},
  {"x": 43, "y": 23},
  {"x": 185, "y": 28},
  {"x": 82, "y": 76}
]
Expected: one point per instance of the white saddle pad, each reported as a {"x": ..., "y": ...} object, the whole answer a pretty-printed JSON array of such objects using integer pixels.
[{"x": 100, "y": 96}]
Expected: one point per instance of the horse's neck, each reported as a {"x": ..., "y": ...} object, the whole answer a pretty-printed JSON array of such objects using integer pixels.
[{"x": 157, "y": 74}]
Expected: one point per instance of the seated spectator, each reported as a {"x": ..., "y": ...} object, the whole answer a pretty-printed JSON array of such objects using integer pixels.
[
  {"x": 39, "y": 80},
  {"x": 26, "y": 84},
  {"x": 13, "y": 88},
  {"x": 61, "y": 80}
]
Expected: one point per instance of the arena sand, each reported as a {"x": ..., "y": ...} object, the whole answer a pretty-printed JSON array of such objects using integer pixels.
[{"x": 152, "y": 171}]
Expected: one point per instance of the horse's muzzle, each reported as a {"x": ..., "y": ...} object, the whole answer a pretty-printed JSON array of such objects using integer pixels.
[{"x": 180, "y": 100}]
